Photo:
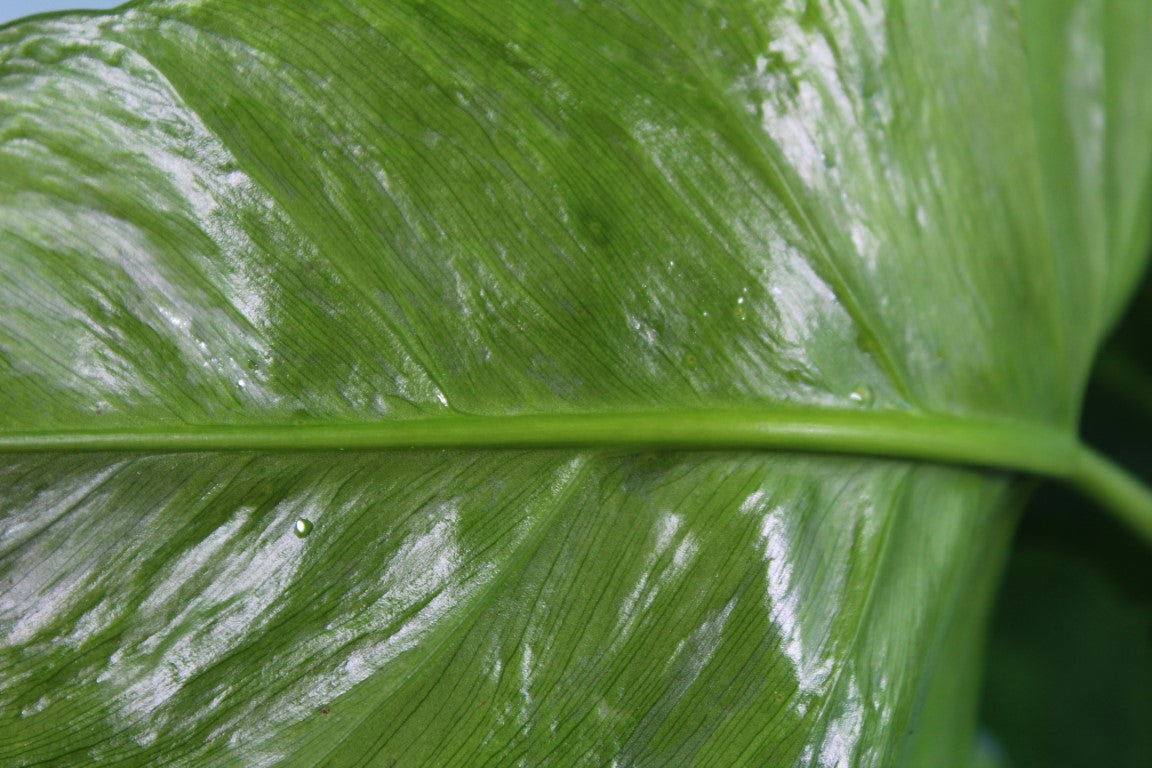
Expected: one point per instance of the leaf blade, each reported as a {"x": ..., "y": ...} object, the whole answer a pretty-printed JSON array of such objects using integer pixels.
[{"x": 244, "y": 216}]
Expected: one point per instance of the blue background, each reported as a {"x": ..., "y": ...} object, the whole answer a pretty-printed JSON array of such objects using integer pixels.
[{"x": 14, "y": 9}]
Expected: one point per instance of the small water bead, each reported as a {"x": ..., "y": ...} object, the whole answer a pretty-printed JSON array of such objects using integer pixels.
[
  {"x": 303, "y": 527},
  {"x": 863, "y": 395}
]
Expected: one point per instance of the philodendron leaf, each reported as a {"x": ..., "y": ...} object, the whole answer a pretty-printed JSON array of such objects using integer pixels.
[{"x": 591, "y": 292}]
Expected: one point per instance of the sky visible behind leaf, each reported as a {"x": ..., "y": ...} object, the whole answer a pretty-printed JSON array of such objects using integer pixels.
[{"x": 14, "y": 9}]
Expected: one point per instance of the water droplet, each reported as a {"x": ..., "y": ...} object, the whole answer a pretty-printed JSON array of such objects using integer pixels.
[
  {"x": 241, "y": 383},
  {"x": 863, "y": 395},
  {"x": 303, "y": 527}
]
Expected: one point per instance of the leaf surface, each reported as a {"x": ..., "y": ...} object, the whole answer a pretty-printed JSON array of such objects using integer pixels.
[{"x": 251, "y": 216}]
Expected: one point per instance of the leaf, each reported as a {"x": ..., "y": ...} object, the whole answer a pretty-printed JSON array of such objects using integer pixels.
[
  {"x": 530, "y": 261},
  {"x": 1066, "y": 599},
  {"x": 1087, "y": 593}
]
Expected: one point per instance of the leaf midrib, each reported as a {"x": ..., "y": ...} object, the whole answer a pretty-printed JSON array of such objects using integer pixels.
[{"x": 1013, "y": 446}]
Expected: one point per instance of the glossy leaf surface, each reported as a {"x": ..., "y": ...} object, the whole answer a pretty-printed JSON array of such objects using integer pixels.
[{"x": 255, "y": 214}]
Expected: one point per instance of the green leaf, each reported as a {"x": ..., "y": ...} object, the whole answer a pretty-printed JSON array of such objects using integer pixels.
[
  {"x": 652, "y": 378},
  {"x": 1083, "y": 595},
  {"x": 1070, "y": 658}
]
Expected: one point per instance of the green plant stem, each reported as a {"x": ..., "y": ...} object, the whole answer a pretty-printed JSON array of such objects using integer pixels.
[
  {"x": 1003, "y": 445},
  {"x": 1098, "y": 478}
]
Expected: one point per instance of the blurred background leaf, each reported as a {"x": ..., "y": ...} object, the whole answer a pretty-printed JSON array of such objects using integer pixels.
[{"x": 1069, "y": 678}]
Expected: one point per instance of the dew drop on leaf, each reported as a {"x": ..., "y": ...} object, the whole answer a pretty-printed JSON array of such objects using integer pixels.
[{"x": 303, "y": 527}]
